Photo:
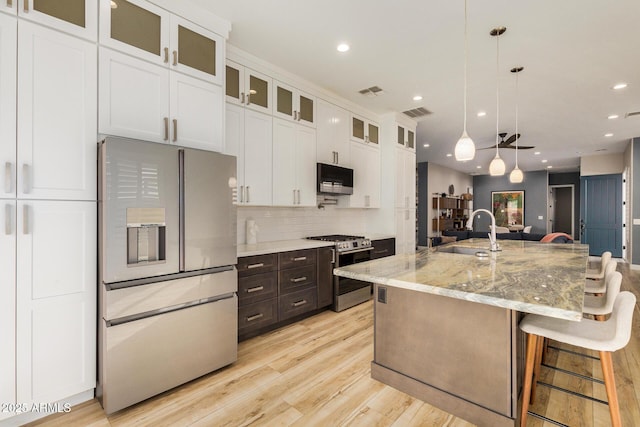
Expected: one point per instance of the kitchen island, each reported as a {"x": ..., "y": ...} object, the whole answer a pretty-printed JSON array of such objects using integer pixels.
[{"x": 446, "y": 321}]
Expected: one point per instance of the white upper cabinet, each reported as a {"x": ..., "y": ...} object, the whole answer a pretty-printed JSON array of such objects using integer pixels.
[
  {"x": 332, "y": 134},
  {"x": 56, "y": 121},
  {"x": 406, "y": 137},
  {"x": 405, "y": 231},
  {"x": 294, "y": 105},
  {"x": 249, "y": 136},
  {"x": 10, "y": 7},
  {"x": 294, "y": 164},
  {"x": 76, "y": 17},
  {"x": 146, "y": 31},
  {"x": 405, "y": 175},
  {"x": 248, "y": 88},
  {"x": 8, "y": 84},
  {"x": 364, "y": 130},
  {"x": 366, "y": 177}
]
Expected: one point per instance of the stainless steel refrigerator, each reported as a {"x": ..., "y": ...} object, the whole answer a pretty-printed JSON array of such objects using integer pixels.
[{"x": 167, "y": 250}]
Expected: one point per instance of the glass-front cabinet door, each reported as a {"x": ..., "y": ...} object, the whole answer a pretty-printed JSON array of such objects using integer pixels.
[
  {"x": 373, "y": 134},
  {"x": 77, "y": 17},
  {"x": 363, "y": 130},
  {"x": 411, "y": 139},
  {"x": 196, "y": 51},
  {"x": 247, "y": 87},
  {"x": 401, "y": 140},
  {"x": 293, "y": 104}
]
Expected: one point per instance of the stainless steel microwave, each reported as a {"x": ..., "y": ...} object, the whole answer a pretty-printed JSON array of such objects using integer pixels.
[{"x": 334, "y": 179}]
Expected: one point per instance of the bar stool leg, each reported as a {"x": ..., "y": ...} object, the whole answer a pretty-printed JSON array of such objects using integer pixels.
[
  {"x": 610, "y": 386},
  {"x": 532, "y": 345},
  {"x": 536, "y": 367}
]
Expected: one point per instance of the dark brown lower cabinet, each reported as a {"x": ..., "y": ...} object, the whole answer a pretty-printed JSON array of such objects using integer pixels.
[{"x": 326, "y": 260}]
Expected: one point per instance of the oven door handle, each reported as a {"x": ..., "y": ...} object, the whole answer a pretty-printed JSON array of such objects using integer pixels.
[{"x": 356, "y": 251}]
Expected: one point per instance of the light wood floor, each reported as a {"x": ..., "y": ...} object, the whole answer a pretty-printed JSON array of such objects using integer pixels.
[{"x": 316, "y": 373}]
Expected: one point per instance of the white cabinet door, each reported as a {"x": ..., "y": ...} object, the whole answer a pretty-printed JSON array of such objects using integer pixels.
[
  {"x": 244, "y": 86},
  {"x": 7, "y": 303},
  {"x": 57, "y": 114},
  {"x": 196, "y": 113},
  {"x": 56, "y": 299},
  {"x": 9, "y": 6},
  {"x": 134, "y": 98},
  {"x": 8, "y": 28},
  {"x": 293, "y": 104},
  {"x": 405, "y": 178},
  {"x": 306, "y": 166},
  {"x": 76, "y": 17},
  {"x": 364, "y": 130},
  {"x": 366, "y": 177},
  {"x": 405, "y": 231},
  {"x": 284, "y": 159},
  {"x": 257, "y": 159},
  {"x": 332, "y": 134}
]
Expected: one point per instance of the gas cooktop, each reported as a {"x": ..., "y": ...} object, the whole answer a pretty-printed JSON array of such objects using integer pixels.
[{"x": 345, "y": 243}]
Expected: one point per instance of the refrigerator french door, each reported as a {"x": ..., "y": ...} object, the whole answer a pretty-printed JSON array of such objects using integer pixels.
[{"x": 168, "y": 304}]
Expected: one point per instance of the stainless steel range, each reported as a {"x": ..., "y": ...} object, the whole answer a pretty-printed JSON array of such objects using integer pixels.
[{"x": 350, "y": 250}]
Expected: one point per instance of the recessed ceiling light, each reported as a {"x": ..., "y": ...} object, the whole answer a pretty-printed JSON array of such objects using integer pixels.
[
  {"x": 417, "y": 98},
  {"x": 343, "y": 47},
  {"x": 619, "y": 86},
  {"x": 608, "y": 135},
  {"x": 544, "y": 160},
  {"x": 449, "y": 154},
  {"x": 478, "y": 167},
  {"x": 549, "y": 167},
  {"x": 612, "y": 116},
  {"x": 537, "y": 153},
  {"x": 482, "y": 113},
  {"x": 426, "y": 145}
]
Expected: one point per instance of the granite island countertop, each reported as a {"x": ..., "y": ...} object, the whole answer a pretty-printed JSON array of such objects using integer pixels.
[{"x": 532, "y": 277}]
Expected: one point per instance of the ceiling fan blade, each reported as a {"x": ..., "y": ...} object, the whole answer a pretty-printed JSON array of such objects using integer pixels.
[
  {"x": 512, "y": 139},
  {"x": 493, "y": 147},
  {"x": 525, "y": 147}
]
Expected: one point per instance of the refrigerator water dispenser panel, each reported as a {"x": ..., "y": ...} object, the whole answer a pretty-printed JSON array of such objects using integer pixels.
[{"x": 146, "y": 236}]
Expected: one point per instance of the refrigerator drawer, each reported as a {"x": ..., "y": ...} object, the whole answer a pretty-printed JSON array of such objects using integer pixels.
[
  {"x": 152, "y": 355},
  {"x": 297, "y": 303},
  {"x": 259, "y": 287},
  {"x": 153, "y": 296}
]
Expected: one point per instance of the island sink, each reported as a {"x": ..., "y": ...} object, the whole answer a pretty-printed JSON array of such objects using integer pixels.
[{"x": 481, "y": 253}]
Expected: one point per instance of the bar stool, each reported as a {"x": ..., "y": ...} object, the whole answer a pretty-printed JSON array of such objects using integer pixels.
[
  {"x": 604, "y": 337},
  {"x": 599, "y": 307},
  {"x": 598, "y": 274},
  {"x": 599, "y": 287}
]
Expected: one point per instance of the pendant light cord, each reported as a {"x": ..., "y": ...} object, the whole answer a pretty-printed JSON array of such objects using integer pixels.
[
  {"x": 464, "y": 126},
  {"x": 497, "y": 92},
  {"x": 517, "y": 136}
]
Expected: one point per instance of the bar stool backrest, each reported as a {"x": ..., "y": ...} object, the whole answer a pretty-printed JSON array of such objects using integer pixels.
[
  {"x": 604, "y": 261},
  {"x": 622, "y": 315}
]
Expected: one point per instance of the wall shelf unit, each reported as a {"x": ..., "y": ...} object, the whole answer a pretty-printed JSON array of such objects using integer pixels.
[{"x": 450, "y": 213}]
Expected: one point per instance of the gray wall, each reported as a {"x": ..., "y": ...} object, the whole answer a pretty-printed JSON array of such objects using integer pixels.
[
  {"x": 535, "y": 197},
  {"x": 570, "y": 178},
  {"x": 635, "y": 201},
  {"x": 423, "y": 203}
]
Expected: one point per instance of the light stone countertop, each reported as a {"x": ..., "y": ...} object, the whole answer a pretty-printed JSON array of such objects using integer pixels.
[{"x": 532, "y": 277}]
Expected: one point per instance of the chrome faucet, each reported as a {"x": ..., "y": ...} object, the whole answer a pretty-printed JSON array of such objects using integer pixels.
[{"x": 492, "y": 234}]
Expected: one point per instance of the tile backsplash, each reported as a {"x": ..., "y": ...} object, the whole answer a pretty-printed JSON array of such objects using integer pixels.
[{"x": 281, "y": 223}]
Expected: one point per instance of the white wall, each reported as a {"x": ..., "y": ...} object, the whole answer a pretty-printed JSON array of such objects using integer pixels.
[
  {"x": 438, "y": 181},
  {"x": 603, "y": 164}
]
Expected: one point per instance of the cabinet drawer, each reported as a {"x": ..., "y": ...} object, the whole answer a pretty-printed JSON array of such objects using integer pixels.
[
  {"x": 296, "y": 279},
  {"x": 250, "y": 265},
  {"x": 297, "y": 258},
  {"x": 258, "y": 287},
  {"x": 383, "y": 248},
  {"x": 258, "y": 315},
  {"x": 296, "y": 303}
]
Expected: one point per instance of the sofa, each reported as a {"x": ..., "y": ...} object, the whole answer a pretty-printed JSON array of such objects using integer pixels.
[{"x": 467, "y": 234}]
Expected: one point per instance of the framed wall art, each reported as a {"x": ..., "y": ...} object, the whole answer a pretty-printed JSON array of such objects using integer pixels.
[{"x": 508, "y": 208}]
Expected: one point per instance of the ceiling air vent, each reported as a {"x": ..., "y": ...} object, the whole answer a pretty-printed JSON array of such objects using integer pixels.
[
  {"x": 417, "y": 112},
  {"x": 634, "y": 113},
  {"x": 372, "y": 91}
]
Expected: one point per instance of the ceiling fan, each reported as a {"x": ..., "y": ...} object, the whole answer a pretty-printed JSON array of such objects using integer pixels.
[{"x": 508, "y": 142}]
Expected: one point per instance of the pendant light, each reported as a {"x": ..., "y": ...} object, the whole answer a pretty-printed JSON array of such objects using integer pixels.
[
  {"x": 465, "y": 148},
  {"x": 516, "y": 176},
  {"x": 497, "y": 167}
]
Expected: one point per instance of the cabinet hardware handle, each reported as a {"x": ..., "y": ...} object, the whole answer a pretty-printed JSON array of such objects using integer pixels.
[
  {"x": 260, "y": 264},
  {"x": 299, "y": 303},
  {"x": 295, "y": 115},
  {"x": 255, "y": 289},
  {"x": 333, "y": 256},
  {"x": 8, "y": 181},
  {"x": 366, "y": 138},
  {"x": 26, "y": 5},
  {"x": 7, "y": 219},
  {"x": 255, "y": 317},
  {"x": 249, "y": 98},
  {"x": 242, "y": 97},
  {"x": 241, "y": 193},
  {"x": 25, "y": 219},
  {"x": 175, "y": 57},
  {"x": 10, "y": 3},
  {"x": 166, "y": 129},
  {"x": 300, "y": 258},
  {"x": 25, "y": 178},
  {"x": 248, "y": 194},
  {"x": 175, "y": 130},
  {"x": 337, "y": 157},
  {"x": 366, "y": 201},
  {"x": 384, "y": 251},
  {"x": 166, "y": 55},
  {"x": 299, "y": 279},
  {"x": 294, "y": 196}
]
